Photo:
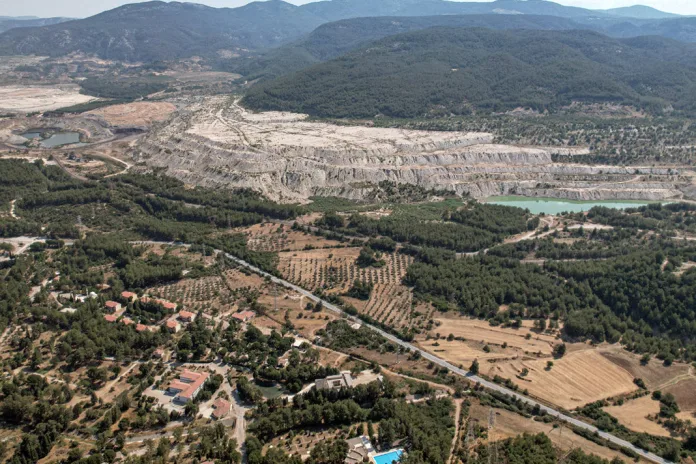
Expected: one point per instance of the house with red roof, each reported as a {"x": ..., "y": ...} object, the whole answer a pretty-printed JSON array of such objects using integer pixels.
[
  {"x": 110, "y": 318},
  {"x": 188, "y": 386},
  {"x": 169, "y": 306},
  {"x": 244, "y": 316},
  {"x": 128, "y": 321},
  {"x": 186, "y": 316},
  {"x": 112, "y": 306},
  {"x": 141, "y": 328},
  {"x": 173, "y": 326},
  {"x": 129, "y": 296}
]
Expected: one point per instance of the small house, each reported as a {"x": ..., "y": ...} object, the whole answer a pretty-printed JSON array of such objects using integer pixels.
[{"x": 112, "y": 306}]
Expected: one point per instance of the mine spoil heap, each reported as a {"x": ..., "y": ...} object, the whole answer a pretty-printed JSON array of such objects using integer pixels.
[{"x": 217, "y": 143}]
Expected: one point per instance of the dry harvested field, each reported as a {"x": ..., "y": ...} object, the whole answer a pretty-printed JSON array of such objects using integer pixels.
[
  {"x": 335, "y": 269},
  {"x": 509, "y": 424},
  {"x": 685, "y": 393},
  {"x": 29, "y": 99},
  {"x": 464, "y": 353},
  {"x": 279, "y": 237},
  {"x": 576, "y": 379},
  {"x": 135, "y": 114},
  {"x": 633, "y": 414},
  {"x": 655, "y": 374},
  {"x": 481, "y": 331}
]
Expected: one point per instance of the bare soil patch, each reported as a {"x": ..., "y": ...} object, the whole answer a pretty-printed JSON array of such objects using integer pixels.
[
  {"x": 463, "y": 353},
  {"x": 633, "y": 414},
  {"x": 481, "y": 331},
  {"x": 280, "y": 237},
  {"x": 685, "y": 393},
  {"x": 135, "y": 114},
  {"x": 29, "y": 99}
]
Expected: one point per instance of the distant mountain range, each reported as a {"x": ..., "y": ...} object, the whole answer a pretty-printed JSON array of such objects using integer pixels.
[
  {"x": 443, "y": 71},
  {"x": 8, "y": 22},
  {"x": 639, "y": 12},
  {"x": 154, "y": 31},
  {"x": 160, "y": 31}
]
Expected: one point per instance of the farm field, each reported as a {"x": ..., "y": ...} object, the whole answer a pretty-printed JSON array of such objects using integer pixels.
[
  {"x": 392, "y": 304},
  {"x": 335, "y": 269},
  {"x": 655, "y": 374},
  {"x": 685, "y": 394},
  {"x": 576, "y": 379},
  {"x": 482, "y": 331},
  {"x": 633, "y": 414},
  {"x": 207, "y": 294}
]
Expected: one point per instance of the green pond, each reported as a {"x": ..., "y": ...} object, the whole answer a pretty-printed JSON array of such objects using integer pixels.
[
  {"x": 271, "y": 392},
  {"x": 555, "y": 206}
]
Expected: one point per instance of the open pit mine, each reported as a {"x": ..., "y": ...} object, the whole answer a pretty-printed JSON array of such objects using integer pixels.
[{"x": 217, "y": 143}]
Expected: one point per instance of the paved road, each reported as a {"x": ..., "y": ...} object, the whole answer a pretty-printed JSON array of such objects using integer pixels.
[{"x": 454, "y": 369}]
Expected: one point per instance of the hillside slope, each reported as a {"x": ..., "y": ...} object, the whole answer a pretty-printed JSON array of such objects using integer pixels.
[
  {"x": 455, "y": 70},
  {"x": 158, "y": 31},
  {"x": 334, "y": 39}
]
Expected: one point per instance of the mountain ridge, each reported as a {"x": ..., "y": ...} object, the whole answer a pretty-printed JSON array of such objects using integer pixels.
[{"x": 157, "y": 30}]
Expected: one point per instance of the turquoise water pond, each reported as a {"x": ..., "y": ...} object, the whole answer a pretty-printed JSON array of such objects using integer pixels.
[{"x": 555, "y": 206}]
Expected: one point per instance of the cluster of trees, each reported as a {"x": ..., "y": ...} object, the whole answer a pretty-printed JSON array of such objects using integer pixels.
[
  {"x": 31, "y": 403},
  {"x": 123, "y": 89},
  {"x": 426, "y": 428},
  {"x": 534, "y": 449},
  {"x": 479, "y": 285},
  {"x": 360, "y": 290},
  {"x": 497, "y": 219},
  {"x": 657, "y": 217}
]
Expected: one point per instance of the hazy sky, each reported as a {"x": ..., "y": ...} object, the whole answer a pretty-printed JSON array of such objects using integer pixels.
[{"x": 83, "y": 8}]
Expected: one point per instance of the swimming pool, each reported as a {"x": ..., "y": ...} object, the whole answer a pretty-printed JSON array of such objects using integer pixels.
[{"x": 388, "y": 458}]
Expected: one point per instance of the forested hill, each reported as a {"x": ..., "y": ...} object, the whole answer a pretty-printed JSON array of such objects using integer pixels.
[
  {"x": 337, "y": 38},
  {"x": 455, "y": 70},
  {"x": 160, "y": 31}
]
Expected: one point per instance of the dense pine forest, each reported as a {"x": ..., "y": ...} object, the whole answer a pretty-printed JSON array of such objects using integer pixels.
[{"x": 442, "y": 71}]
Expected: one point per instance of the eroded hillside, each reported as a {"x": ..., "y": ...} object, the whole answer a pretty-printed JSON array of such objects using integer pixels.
[{"x": 288, "y": 158}]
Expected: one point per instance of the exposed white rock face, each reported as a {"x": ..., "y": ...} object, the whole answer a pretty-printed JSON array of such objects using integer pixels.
[{"x": 288, "y": 158}]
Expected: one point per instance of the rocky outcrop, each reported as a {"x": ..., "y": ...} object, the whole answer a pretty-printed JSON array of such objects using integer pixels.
[{"x": 287, "y": 158}]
